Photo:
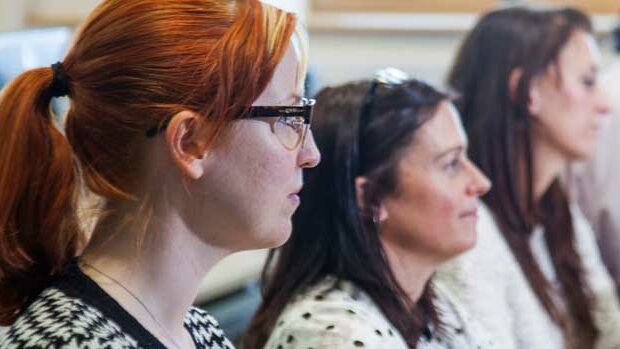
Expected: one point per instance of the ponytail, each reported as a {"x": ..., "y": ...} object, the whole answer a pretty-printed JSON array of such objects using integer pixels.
[{"x": 39, "y": 230}]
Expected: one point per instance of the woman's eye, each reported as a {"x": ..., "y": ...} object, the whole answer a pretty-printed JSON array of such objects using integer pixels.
[
  {"x": 284, "y": 121},
  {"x": 589, "y": 81},
  {"x": 293, "y": 123},
  {"x": 453, "y": 165}
]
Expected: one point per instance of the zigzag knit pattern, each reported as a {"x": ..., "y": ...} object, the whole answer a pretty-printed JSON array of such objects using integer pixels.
[
  {"x": 56, "y": 320},
  {"x": 205, "y": 330}
]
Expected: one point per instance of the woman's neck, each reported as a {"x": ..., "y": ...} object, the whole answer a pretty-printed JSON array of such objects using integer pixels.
[
  {"x": 412, "y": 270},
  {"x": 164, "y": 271},
  {"x": 548, "y": 164}
]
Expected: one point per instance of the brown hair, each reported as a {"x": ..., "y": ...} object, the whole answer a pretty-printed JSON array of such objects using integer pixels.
[
  {"x": 134, "y": 64},
  {"x": 500, "y": 134}
]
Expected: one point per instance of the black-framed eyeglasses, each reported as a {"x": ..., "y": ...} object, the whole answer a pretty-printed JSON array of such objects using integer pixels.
[{"x": 290, "y": 123}]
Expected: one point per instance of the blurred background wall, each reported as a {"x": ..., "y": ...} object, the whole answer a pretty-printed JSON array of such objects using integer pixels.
[{"x": 350, "y": 38}]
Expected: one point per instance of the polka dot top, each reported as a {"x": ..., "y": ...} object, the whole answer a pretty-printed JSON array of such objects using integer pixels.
[{"x": 344, "y": 316}]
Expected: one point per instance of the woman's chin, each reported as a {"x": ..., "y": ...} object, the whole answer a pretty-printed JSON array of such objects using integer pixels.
[
  {"x": 583, "y": 152},
  {"x": 467, "y": 242},
  {"x": 277, "y": 237}
]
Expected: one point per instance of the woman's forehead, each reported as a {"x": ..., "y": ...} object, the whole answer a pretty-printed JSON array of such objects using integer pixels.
[
  {"x": 284, "y": 85},
  {"x": 442, "y": 132},
  {"x": 580, "y": 53}
]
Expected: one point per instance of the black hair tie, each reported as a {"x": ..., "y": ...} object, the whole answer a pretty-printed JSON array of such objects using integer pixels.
[{"x": 60, "y": 81}]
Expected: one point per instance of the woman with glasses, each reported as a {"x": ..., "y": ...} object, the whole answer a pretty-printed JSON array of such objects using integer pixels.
[
  {"x": 185, "y": 122},
  {"x": 531, "y": 106},
  {"x": 393, "y": 197}
]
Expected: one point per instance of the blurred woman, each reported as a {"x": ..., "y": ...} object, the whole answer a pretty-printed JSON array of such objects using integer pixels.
[
  {"x": 531, "y": 106},
  {"x": 597, "y": 182},
  {"x": 185, "y": 120},
  {"x": 394, "y": 196}
]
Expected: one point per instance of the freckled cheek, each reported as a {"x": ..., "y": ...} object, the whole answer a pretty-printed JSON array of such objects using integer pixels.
[
  {"x": 273, "y": 169},
  {"x": 260, "y": 159}
]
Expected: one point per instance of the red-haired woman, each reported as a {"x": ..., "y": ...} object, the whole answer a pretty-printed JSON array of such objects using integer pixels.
[{"x": 185, "y": 120}]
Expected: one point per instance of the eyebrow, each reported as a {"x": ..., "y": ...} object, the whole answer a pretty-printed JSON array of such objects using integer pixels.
[{"x": 458, "y": 148}]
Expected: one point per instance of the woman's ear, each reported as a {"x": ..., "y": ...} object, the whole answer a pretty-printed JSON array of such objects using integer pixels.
[
  {"x": 381, "y": 214},
  {"x": 535, "y": 103},
  {"x": 534, "y": 90},
  {"x": 360, "y": 188},
  {"x": 360, "y": 191},
  {"x": 513, "y": 82},
  {"x": 187, "y": 150}
]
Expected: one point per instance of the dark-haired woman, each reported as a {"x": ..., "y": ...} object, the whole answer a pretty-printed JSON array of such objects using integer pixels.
[
  {"x": 394, "y": 196},
  {"x": 531, "y": 106},
  {"x": 597, "y": 182},
  {"x": 185, "y": 122}
]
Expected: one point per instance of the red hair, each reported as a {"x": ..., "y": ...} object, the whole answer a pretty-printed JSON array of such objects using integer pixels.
[{"x": 134, "y": 63}]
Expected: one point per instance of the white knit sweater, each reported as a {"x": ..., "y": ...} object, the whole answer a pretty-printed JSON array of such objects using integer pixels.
[{"x": 491, "y": 285}]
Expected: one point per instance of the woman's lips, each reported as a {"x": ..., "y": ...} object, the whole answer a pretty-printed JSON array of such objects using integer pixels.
[
  {"x": 470, "y": 214},
  {"x": 294, "y": 199}
]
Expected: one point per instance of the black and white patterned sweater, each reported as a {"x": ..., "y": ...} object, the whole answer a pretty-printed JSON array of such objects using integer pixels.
[{"x": 76, "y": 313}]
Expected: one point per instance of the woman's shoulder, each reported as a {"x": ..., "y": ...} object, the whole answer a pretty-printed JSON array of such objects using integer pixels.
[
  {"x": 57, "y": 320},
  {"x": 333, "y": 314},
  {"x": 586, "y": 245},
  {"x": 459, "y": 328},
  {"x": 585, "y": 238}
]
